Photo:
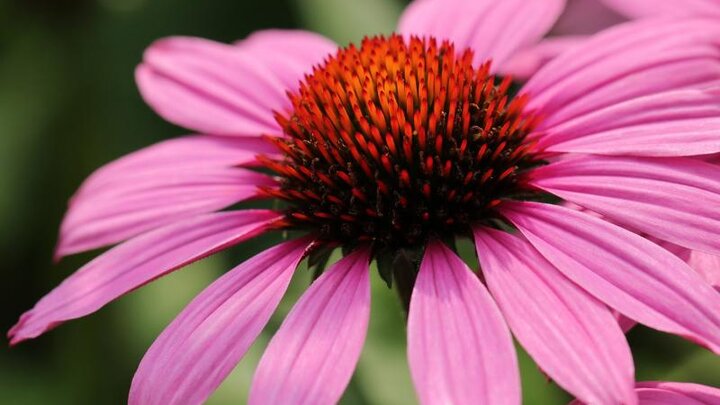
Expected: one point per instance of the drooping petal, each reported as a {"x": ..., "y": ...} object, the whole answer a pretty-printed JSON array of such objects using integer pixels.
[
  {"x": 631, "y": 61},
  {"x": 674, "y": 8},
  {"x": 573, "y": 337},
  {"x": 492, "y": 29},
  {"x": 675, "y": 199},
  {"x": 224, "y": 89},
  {"x": 158, "y": 185},
  {"x": 137, "y": 262},
  {"x": 634, "y": 276},
  {"x": 313, "y": 355},
  {"x": 195, "y": 353},
  {"x": 459, "y": 348}
]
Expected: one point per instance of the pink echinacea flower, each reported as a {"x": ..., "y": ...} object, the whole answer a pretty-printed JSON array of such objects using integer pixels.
[{"x": 391, "y": 148}]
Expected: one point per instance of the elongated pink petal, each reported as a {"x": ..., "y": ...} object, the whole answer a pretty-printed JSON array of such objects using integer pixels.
[
  {"x": 158, "y": 185},
  {"x": 183, "y": 154},
  {"x": 636, "y": 277},
  {"x": 492, "y": 29},
  {"x": 672, "y": 123},
  {"x": 195, "y": 353},
  {"x": 137, "y": 262},
  {"x": 311, "y": 359},
  {"x": 673, "y": 393},
  {"x": 675, "y": 199},
  {"x": 654, "y": 396},
  {"x": 690, "y": 392},
  {"x": 630, "y": 61},
  {"x": 289, "y": 53},
  {"x": 573, "y": 337},
  {"x": 223, "y": 89},
  {"x": 459, "y": 348},
  {"x": 673, "y": 8},
  {"x": 99, "y": 219}
]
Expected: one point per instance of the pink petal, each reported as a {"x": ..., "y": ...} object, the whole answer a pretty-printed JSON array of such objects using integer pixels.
[
  {"x": 159, "y": 185},
  {"x": 573, "y": 337},
  {"x": 621, "y": 64},
  {"x": 525, "y": 63},
  {"x": 224, "y": 89},
  {"x": 137, "y": 262},
  {"x": 492, "y": 29},
  {"x": 195, "y": 353},
  {"x": 688, "y": 391},
  {"x": 624, "y": 322},
  {"x": 674, "y": 8},
  {"x": 459, "y": 348},
  {"x": 672, "y": 393},
  {"x": 675, "y": 199},
  {"x": 289, "y": 53},
  {"x": 707, "y": 265},
  {"x": 634, "y": 276},
  {"x": 583, "y": 17},
  {"x": 311, "y": 359},
  {"x": 672, "y": 123}
]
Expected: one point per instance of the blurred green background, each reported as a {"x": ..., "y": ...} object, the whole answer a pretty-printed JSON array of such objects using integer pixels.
[{"x": 68, "y": 104}]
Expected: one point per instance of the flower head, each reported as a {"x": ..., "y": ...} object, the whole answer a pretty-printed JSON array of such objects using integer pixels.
[
  {"x": 400, "y": 144},
  {"x": 393, "y": 142}
]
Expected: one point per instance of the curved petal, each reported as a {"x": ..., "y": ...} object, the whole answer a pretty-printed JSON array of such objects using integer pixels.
[
  {"x": 311, "y": 358},
  {"x": 492, "y": 29},
  {"x": 636, "y": 277},
  {"x": 573, "y": 337},
  {"x": 674, "y": 8},
  {"x": 673, "y": 393},
  {"x": 459, "y": 348},
  {"x": 621, "y": 64},
  {"x": 158, "y": 185},
  {"x": 137, "y": 262},
  {"x": 195, "y": 353},
  {"x": 690, "y": 392},
  {"x": 674, "y": 199},
  {"x": 290, "y": 54},
  {"x": 225, "y": 89}
]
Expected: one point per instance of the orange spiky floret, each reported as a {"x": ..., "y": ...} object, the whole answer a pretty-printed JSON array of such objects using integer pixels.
[{"x": 399, "y": 139}]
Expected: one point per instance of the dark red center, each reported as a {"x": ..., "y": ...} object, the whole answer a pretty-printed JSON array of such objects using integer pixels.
[{"x": 397, "y": 140}]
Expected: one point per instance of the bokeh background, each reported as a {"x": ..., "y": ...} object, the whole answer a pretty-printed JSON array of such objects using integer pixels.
[{"x": 68, "y": 104}]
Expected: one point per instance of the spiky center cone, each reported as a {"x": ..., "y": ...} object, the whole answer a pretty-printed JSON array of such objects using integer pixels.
[{"x": 397, "y": 141}]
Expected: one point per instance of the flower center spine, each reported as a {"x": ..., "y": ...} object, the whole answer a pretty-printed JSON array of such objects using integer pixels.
[{"x": 397, "y": 140}]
